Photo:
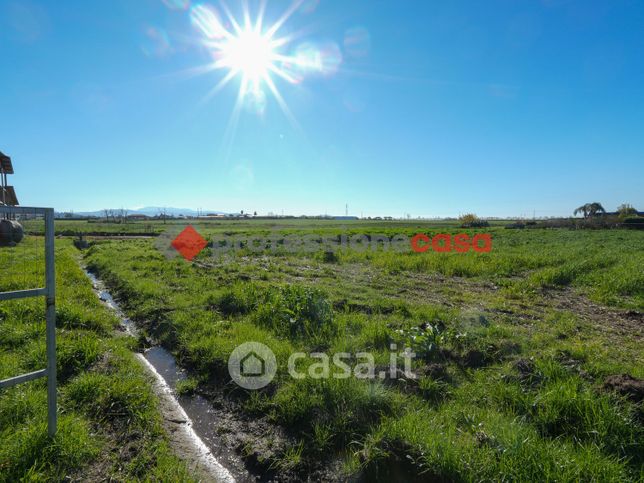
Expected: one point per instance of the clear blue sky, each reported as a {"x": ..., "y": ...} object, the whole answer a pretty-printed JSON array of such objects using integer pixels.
[{"x": 498, "y": 107}]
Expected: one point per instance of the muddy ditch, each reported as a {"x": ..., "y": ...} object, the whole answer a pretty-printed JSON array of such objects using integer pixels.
[
  {"x": 189, "y": 421},
  {"x": 210, "y": 429}
]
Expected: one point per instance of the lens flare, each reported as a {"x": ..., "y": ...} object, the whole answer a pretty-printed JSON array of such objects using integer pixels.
[
  {"x": 206, "y": 19},
  {"x": 255, "y": 54},
  {"x": 177, "y": 4},
  {"x": 309, "y": 6},
  {"x": 357, "y": 42},
  {"x": 155, "y": 42}
]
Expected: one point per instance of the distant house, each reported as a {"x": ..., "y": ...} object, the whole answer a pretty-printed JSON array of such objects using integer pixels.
[{"x": 137, "y": 217}]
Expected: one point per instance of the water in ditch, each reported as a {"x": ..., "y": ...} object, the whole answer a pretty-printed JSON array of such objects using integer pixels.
[{"x": 200, "y": 412}]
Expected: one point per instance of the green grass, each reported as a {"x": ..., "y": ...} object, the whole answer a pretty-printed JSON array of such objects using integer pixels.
[
  {"x": 471, "y": 415},
  {"x": 104, "y": 396}
]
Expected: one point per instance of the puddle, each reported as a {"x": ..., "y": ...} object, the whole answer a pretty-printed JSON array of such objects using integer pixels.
[{"x": 193, "y": 426}]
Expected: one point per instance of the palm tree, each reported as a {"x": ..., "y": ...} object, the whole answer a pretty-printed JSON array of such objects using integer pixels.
[
  {"x": 596, "y": 208},
  {"x": 583, "y": 209},
  {"x": 590, "y": 209}
]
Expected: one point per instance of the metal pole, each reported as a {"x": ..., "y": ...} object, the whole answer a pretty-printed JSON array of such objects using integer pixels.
[{"x": 50, "y": 287}]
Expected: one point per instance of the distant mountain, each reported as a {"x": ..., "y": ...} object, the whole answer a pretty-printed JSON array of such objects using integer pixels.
[{"x": 154, "y": 211}]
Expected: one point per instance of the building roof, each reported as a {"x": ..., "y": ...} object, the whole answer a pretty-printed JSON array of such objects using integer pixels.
[
  {"x": 8, "y": 195},
  {"x": 5, "y": 163}
]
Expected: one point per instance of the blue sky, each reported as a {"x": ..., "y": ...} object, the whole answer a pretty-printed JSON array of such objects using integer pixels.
[{"x": 436, "y": 108}]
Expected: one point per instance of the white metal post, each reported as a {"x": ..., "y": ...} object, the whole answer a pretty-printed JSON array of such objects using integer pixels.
[
  {"x": 50, "y": 297},
  {"x": 49, "y": 291}
]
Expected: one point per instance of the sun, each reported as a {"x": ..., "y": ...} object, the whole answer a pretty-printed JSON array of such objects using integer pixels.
[
  {"x": 250, "y": 53},
  {"x": 254, "y": 53},
  {"x": 247, "y": 50}
]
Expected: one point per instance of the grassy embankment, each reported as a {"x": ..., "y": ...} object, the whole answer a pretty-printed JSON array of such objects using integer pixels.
[
  {"x": 109, "y": 427},
  {"x": 512, "y": 355}
]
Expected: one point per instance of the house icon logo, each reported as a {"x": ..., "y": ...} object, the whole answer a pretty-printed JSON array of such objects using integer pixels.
[{"x": 252, "y": 365}]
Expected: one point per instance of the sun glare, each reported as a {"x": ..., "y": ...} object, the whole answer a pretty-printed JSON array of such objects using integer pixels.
[
  {"x": 248, "y": 53},
  {"x": 256, "y": 54}
]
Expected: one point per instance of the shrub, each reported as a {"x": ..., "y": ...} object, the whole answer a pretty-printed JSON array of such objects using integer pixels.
[
  {"x": 470, "y": 220},
  {"x": 625, "y": 210},
  {"x": 424, "y": 340},
  {"x": 298, "y": 313}
]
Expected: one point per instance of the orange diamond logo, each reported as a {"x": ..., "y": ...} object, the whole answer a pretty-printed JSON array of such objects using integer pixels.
[{"x": 189, "y": 243}]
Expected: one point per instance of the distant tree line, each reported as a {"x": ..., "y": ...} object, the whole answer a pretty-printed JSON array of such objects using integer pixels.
[
  {"x": 117, "y": 216},
  {"x": 590, "y": 210}
]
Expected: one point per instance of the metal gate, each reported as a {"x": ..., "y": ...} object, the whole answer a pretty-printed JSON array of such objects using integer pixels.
[{"x": 49, "y": 292}]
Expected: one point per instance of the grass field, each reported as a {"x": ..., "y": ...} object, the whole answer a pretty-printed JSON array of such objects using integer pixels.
[
  {"x": 528, "y": 357},
  {"x": 154, "y": 227},
  {"x": 109, "y": 427},
  {"x": 518, "y": 350}
]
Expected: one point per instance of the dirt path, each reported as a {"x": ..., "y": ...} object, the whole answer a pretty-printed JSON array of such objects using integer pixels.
[{"x": 624, "y": 323}]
